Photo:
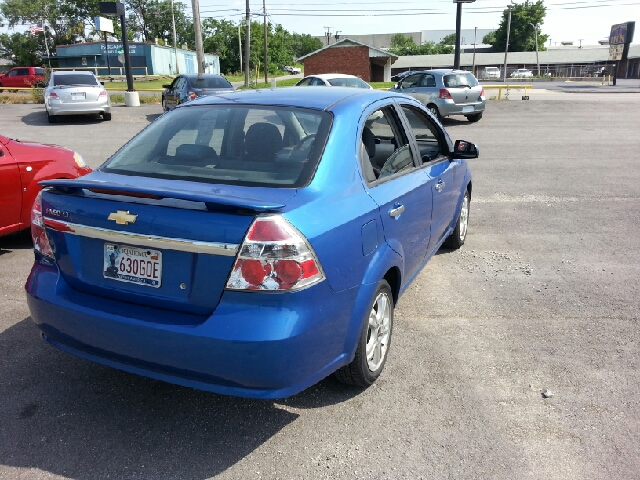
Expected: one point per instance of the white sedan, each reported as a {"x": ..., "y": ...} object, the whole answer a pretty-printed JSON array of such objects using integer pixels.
[
  {"x": 521, "y": 73},
  {"x": 332, "y": 80}
]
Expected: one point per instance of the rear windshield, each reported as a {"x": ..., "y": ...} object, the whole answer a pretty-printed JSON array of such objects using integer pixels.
[
  {"x": 460, "y": 80},
  {"x": 235, "y": 145},
  {"x": 348, "y": 82},
  {"x": 209, "y": 82},
  {"x": 74, "y": 79}
]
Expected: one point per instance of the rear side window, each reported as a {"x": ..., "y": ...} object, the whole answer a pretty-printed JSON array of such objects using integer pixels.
[
  {"x": 39, "y": 71},
  {"x": 235, "y": 145},
  {"x": 460, "y": 80},
  {"x": 73, "y": 79},
  {"x": 348, "y": 82}
]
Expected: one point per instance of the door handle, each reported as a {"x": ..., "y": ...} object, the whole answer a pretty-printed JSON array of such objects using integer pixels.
[
  {"x": 394, "y": 212},
  {"x": 439, "y": 185}
]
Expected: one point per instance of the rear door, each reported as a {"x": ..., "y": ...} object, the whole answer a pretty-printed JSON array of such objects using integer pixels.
[{"x": 397, "y": 186}]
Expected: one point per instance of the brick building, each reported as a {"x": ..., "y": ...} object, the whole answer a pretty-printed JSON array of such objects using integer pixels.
[{"x": 348, "y": 56}]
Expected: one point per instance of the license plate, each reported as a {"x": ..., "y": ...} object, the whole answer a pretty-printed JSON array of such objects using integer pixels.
[
  {"x": 77, "y": 96},
  {"x": 134, "y": 265},
  {"x": 467, "y": 109}
]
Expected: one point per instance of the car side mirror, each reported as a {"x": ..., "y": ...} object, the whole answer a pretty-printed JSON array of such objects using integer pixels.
[
  {"x": 102, "y": 83},
  {"x": 166, "y": 86},
  {"x": 464, "y": 149}
]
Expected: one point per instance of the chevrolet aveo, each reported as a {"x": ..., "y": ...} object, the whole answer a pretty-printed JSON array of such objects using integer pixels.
[{"x": 250, "y": 243}]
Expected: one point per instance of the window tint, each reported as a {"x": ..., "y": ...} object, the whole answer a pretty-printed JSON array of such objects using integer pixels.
[
  {"x": 348, "y": 82},
  {"x": 39, "y": 71},
  {"x": 425, "y": 133},
  {"x": 23, "y": 72},
  {"x": 305, "y": 82},
  {"x": 209, "y": 82},
  {"x": 237, "y": 145},
  {"x": 384, "y": 149},
  {"x": 60, "y": 79},
  {"x": 317, "y": 82},
  {"x": 428, "y": 80},
  {"x": 459, "y": 80},
  {"x": 411, "y": 81}
]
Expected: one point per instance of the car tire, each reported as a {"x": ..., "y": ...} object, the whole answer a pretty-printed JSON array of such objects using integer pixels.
[
  {"x": 1, "y": 88},
  {"x": 51, "y": 118},
  {"x": 434, "y": 110},
  {"x": 459, "y": 234},
  {"x": 106, "y": 116},
  {"x": 373, "y": 344},
  {"x": 475, "y": 117}
]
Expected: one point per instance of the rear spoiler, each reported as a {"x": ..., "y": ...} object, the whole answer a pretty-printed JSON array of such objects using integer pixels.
[{"x": 213, "y": 200}]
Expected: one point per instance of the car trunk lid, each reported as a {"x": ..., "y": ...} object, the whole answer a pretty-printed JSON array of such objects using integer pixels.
[{"x": 151, "y": 244}]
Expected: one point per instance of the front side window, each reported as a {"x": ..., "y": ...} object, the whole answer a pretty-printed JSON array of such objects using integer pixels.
[
  {"x": 426, "y": 134},
  {"x": 411, "y": 81},
  {"x": 384, "y": 149},
  {"x": 235, "y": 145},
  {"x": 305, "y": 82},
  {"x": 209, "y": 82}
]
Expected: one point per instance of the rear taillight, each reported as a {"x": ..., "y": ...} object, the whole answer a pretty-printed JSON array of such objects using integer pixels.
[
  {"x": 103, "y": 93},
  {"x": 482, "y": 93},
  {"x": 53, "y": 95},
  {"x": 274, "y": 256},
  {"x": 192, "y": 96},
  {"x": 38, "y": 235},
  {"x": 444, "y": 94}
]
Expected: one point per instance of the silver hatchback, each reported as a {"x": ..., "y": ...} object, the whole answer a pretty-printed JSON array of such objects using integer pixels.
[
  {"x": 445, "y": 92},
  {"x": 75, "y": 93}
]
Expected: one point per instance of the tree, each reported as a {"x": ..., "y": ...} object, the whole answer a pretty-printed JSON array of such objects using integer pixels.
[
  {"x": 401, "y": 45},
  {"x": 448, "y": 39},
  {"x": 522, "y": 37},
  {"x": 22, "y": 48}
]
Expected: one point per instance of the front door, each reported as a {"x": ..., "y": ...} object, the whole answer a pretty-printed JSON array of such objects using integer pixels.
[{"x": 10, "y": 192}]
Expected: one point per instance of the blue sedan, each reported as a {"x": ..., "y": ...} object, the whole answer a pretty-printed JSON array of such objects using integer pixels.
[{"x": 250, "y": 243}]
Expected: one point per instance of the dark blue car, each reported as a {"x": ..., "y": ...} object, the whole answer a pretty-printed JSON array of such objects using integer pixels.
[{"x": 250, "y": 243}]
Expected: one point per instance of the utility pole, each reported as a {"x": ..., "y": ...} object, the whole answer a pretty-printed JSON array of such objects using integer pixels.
[
  {"x": 456, "y": 56},
  {"x": 473, "y": 63},
  {"x": 266, "y": 56},
  {"x": 247, "y": 43},
  {"x": 506, "y": 48},
  {"x": 328, "y": 34},
  {"x": 175, "y": 41},
  {"x": 535, "y": 29},
  {"x": 195, "y": 6},
  {"x": 240, "y": 45}
]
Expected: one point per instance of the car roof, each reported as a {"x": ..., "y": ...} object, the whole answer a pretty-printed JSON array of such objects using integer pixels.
[
  {"x": 202, "y": 75},
  {"x": 321, "y": 98},
  {"x": 72, "y": 72},
  {"x": 441, "y": 71}
]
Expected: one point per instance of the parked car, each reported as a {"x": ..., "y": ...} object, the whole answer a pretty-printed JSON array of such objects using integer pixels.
[
  {"x": 490, "y": 73},
  {"x": 521, "y": 73},
  {"x": 22, "y": 166},
  {"x": 22, "y": 77},
  {"x": 601, "y": 72},
  {"x": 250, "y": 244},
  {"x": 333, "y": 80},
  {"x": 290, "y": 70},
  {"x": 445, "y": 92},
  {"x": 190, "y": 86},
  {"x": 75, "y": 93}
]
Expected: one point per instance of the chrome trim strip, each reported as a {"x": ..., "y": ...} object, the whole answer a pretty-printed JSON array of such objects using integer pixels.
[{"x": 152, "y": 241}]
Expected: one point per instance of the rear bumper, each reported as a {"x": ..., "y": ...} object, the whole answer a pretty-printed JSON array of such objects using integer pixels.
[
  {"x": 448, "y": 107},
  {"x": 55, "y": 107},
  {"x": 254, "y": 345}
]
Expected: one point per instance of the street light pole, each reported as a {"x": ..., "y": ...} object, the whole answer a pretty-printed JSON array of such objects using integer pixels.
[
  {"x": 175, "y": 41},
  {"x": 506, "y": 48},
  {"x": 475, "y": 39},
  {"x": 456, "y": 56},
  {"x": 247, "y": 43},
  {"x": 535, "y": 29},
  {"x": 195, "y": 6}
]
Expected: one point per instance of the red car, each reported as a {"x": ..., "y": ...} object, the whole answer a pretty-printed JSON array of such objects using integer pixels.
[
  {"x": 22, "y": 77},
  {"x": 22, "y": 166}
]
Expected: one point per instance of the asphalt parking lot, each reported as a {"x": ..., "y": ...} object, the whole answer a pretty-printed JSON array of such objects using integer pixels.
[{"x": 543, "y": 298}]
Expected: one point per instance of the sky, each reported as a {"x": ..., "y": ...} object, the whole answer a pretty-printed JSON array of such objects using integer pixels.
[{"x": 566, "y": 20}]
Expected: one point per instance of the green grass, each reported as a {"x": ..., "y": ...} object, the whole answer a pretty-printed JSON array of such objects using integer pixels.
[
  {"x": 118, "y": 99},
  {"x": 289, "y": 82},
  {"x": 140, "y": 85},
  {"x": 382, "y": 85}
]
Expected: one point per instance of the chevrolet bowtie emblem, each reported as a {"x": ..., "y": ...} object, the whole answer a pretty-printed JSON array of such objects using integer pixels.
[{"x": 122, "y": 217}]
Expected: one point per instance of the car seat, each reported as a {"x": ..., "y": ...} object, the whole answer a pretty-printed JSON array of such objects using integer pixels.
[{"x": 261, "y": 143}]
